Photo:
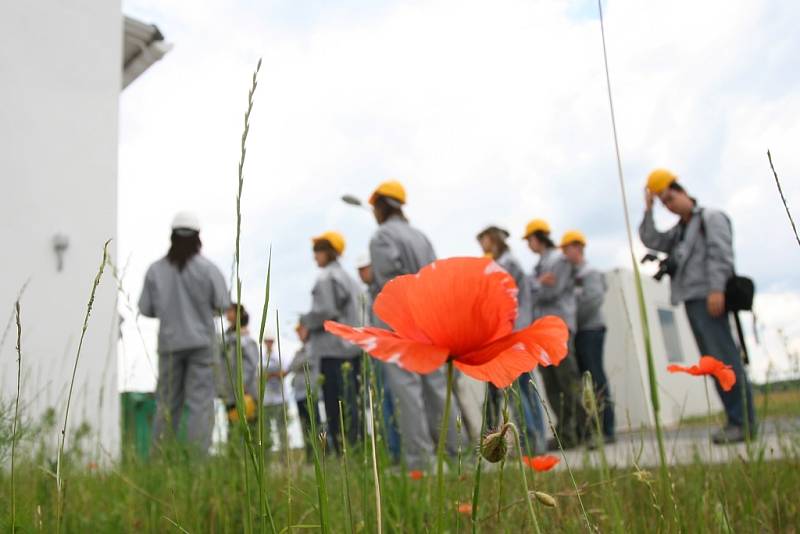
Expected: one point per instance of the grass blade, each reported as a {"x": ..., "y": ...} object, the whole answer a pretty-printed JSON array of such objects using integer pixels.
[
  {"x": 59, "y": 459},
  {"x": 783, "y": 198}
]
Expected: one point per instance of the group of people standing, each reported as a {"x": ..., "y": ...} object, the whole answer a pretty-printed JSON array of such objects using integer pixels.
[
  {"x": 185, "y": 291},
  {"x": 562, "y": 284}
]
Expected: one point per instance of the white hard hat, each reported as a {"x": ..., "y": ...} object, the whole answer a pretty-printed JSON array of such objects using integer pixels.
[
  {"x": 269, "y": 334},
  {"x": 363, "y": 261},
  {"x": 186, "y": 220}
]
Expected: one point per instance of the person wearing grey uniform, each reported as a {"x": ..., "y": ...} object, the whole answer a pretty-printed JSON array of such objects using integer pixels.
[
  {"x": 590, "y": 291},
  {"x": 396, "y": 249},
  {"x": 553, "y": 293},
  {"x": 230, "y": 364},
  {"x": 274, "y": 395},
  {"x": 185, "y": 291},
  {"x": 700, "y": 263},
  {"x": 493, "y": 242},
  {"x": 336, "y": 297}
]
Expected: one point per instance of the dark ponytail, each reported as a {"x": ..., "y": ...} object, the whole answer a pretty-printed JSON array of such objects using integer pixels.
[
  {"x": 387, "y": 207},
  {"x": 544, "y": 237},
  {"x": 185, "y": 244}
]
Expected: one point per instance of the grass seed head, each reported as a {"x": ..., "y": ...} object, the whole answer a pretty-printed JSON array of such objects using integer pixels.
[{"x": 544, "y": 498}]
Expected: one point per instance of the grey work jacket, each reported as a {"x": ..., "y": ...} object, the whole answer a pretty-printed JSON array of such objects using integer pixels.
[
  {"x": 704, "y": 254},
  {"x": 558, "y": 300},
  {"x": 336, "y": 297},
  {"x": 396, "y": 249},
  {"x": 302, "y": 363},
  {"x": 249, "y": 366},
  {"x": 185, "y": 302},
  {"x": 524, "y": 308},
  {"x": 590, "y": 292}
]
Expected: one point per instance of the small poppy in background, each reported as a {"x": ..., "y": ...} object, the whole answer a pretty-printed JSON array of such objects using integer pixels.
[
  {"x": 416, "y": 475},
  {"x": 709, "y": 366},
  {"x": 465, "y": 508},
  {"x": 460, "y": 309},
  {"x": 541, "y": 463}
]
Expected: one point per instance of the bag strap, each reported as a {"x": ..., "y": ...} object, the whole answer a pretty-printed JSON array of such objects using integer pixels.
[{"x": 742, "y": 342}]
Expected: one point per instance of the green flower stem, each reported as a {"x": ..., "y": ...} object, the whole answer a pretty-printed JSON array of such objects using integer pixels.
[
  {"x": 440, "y": 449},
  {"x": 531, "y": 511}
]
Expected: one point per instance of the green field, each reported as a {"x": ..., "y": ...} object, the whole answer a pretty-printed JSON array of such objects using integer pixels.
[{"x": 176, "y": 492}]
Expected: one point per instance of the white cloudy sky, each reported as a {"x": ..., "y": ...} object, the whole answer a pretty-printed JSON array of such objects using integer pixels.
[{"x": 489, "y": 112}]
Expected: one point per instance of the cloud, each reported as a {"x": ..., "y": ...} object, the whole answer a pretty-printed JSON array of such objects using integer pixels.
[{"x": 488, "y": 113}]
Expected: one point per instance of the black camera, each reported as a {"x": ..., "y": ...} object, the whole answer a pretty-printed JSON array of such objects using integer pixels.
[{"x": 666, "y": 265}]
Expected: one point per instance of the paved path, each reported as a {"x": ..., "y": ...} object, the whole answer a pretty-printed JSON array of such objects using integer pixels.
[{"x": 778, "y": 438}]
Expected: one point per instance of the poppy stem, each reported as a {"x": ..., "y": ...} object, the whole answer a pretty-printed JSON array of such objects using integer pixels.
[
  {"x": 531, "y": 511},
  {"x": 440, "y": 449}
]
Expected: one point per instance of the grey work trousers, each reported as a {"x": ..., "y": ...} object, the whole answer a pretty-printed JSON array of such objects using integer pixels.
[
  {"x": 419, "y": 407},
  {"x": 562, "y": 383},
  {"x": 186, "y": 382}
]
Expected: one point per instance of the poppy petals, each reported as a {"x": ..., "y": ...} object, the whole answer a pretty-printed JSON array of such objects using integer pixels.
[
  {"x": 461, "y": 309},
  {"x": 389, "y": 347},
  {"x": 416, "y": 475},
  {"x": 546, "y": 340},
  {"x": 542, "y": 343},
  {"x": 459, "y": 303},
  {"x": 541, "y": 463},
  {"x": 709, "y": 366}
]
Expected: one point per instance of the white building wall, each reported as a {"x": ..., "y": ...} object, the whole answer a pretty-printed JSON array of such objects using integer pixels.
[
  {"x": 681, "y": 395},
  {"x": 61, "y": 78}
]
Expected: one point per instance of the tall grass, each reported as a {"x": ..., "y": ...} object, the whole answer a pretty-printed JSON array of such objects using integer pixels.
[
  {"x": 645, "y": 325},
  {"x": 783, "y": 198},
  {"x": 60, "y": 457},
  {"x": 16, "y": 419}
]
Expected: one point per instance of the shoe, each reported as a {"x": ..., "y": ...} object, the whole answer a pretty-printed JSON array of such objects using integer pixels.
[
  {"x": 552, "y": 445},
  {"x": 728, "y": 435},
  {"x": 591, "y": 442}
]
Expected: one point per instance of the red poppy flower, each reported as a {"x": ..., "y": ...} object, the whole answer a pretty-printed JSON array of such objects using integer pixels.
[
  {"x": 709, "y": 366},
  {"x": 461, "y": 309},
  {"x": 541, "y": 463},
  {"x": 465, "y": 508},
  {"x": 416, "y": 475}
]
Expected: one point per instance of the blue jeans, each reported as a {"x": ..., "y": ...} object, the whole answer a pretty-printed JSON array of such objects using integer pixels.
[
  {"x": 534, "y": 414},
  {"x": 345, "y": 387},
  {"x": 589, "y": 350},
  {"x": 714, "y": 338}
]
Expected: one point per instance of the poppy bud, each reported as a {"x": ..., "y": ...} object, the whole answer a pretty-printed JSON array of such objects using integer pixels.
[
  {"x": 544, "y": 498},
  {"x": 494, "y": 446}
]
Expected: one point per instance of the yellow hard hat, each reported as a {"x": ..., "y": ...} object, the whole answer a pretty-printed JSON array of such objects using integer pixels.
[
  {"x": 392, "y": 189},
  {"x": 660, "y": 179},
  {"x": 573, "y": 236},
  {"x": 334, "y": 238},
  {"x": 536, "y": 225}
]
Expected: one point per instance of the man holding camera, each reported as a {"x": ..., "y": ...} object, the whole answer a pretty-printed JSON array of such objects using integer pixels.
[{"x": 700, "y": 265}]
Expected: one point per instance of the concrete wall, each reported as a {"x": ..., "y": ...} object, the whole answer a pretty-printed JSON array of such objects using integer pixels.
[
  {"x": 61, "y": 72},
  {"x": 626, "y": 365}
]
